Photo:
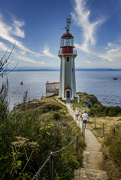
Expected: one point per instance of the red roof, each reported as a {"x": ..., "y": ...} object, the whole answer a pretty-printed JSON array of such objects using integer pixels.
[
  {"x": 67, "y": 35},
  {"x": 52, "y": 83},
  {"x": 67, "y": 88}
]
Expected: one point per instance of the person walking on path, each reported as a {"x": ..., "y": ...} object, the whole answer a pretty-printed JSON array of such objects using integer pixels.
[
  {"x": 77, "y": 113},
  {"x": 84, "y": 118}
]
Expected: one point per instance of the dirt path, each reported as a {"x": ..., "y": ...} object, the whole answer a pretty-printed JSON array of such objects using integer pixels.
[{"x": 93, "y": 157}]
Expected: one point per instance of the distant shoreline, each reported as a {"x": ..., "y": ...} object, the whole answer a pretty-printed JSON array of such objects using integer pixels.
[{"x": 77, "y": 69}]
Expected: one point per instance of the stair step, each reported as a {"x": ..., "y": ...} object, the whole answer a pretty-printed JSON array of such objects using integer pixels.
[
  {"x": 90, "y": 174},
  {"x": 92, "y": 160}
]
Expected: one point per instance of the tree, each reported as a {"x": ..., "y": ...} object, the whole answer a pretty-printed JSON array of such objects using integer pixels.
[{"x": 5, "y": 61}]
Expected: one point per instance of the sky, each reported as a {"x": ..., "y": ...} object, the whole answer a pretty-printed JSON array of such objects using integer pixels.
[{"x": 36, "y": 27}]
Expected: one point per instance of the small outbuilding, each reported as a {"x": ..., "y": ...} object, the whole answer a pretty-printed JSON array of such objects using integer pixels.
[{"x": 52, "y": 88}]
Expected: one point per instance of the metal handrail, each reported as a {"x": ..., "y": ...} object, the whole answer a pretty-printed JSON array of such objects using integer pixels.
[{"x": 52, "y": 153}]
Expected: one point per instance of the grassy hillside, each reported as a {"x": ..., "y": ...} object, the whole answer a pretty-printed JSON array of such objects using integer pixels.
[
  {"x": 111, "y": 141},
  {"x": 30, "y": 133}
]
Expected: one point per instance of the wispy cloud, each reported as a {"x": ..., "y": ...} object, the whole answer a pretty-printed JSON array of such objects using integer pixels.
[
  {"x": 81, "y": 17},
  {"x": 42, "y": 63},
  {"x": 7, "y": 32},
  {"x": 46, "y": 52},
  {"x": 12, "y": 31},
  {"x": 30, "y": 60},
  {"x": 23, "y": 52},
  {"x": 112, "y": 53},
  {"x": 16, "y": 28},
  {"x": 3, "y": 47},
  {"x": 88, "y": 62},
  {"x": 26, "y": 59}
]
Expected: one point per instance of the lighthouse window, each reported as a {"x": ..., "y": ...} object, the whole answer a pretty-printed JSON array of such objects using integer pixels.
[{"x": 67, "y": 59}]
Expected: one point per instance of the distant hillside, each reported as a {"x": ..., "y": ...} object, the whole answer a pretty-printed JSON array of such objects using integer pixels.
[{"x": 58, "y": 69}]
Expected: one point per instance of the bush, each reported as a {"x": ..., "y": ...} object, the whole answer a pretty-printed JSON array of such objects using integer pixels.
[
  {"x": 112, "y": 113},
  {"x": 26, "y": 141},
  {"x": 105, "y": 111},
  {"x": 56, "y": 116},
  {"x": 51, "y": 107}
]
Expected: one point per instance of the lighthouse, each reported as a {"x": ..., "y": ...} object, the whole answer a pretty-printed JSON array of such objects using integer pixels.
[{"x": 67, "y": 54}]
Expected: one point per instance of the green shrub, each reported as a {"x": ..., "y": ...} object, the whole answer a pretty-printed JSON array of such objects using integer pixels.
[
  {"x": 26, "y": 141},
  {"x": 105, "y": 111},
  {"x": 51, "y": 107},
  {"x": 112, "y": 113},
  {"x": 56, "y": 116}
]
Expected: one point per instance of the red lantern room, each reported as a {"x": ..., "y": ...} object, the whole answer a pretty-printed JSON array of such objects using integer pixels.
[{"x": 67, "y": 40}]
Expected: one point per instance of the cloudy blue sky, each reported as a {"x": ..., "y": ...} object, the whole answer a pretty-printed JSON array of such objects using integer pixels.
[{"x": 36, "y": 26}]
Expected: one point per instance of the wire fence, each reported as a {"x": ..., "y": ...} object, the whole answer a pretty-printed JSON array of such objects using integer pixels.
[
  {"x": 104, "y": 127},
  {"x": 50, "y": 157}
]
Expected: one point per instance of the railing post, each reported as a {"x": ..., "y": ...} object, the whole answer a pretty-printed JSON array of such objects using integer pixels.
[
  {"x": 37, "y": 178},
  {"x": 95, "y": 122},
  {"x": 84, "y": 134},
  {"x": 51, "y": 166},
  {"x": 83, "y": 131},
  {"x": 103, "y": 129},
  {"x": 77, "y": 143},
  {"x": 114, "y": 131},
  {"x": 80, "y": 123}
]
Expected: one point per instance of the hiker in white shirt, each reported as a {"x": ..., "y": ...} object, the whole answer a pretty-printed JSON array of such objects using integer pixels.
[{"x": 84, "y": 118}]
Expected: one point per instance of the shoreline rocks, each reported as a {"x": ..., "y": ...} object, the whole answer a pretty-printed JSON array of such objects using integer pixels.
[{"x": 88, "y": 100}]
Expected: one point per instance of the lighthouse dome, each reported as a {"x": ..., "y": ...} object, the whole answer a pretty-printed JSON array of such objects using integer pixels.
[
  {"x": 68, "y": 35},
  {"x": 67, "y": 40}
]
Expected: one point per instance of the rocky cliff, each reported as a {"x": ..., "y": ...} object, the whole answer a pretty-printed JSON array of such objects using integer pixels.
[{"x": 88, "y": 100}]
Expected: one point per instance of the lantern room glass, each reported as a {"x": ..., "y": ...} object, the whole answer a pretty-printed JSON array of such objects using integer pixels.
[{"x": 67, "y": 42}]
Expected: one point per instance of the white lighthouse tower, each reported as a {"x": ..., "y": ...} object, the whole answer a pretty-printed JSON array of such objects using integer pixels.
[{"x": 67, "y": 54}]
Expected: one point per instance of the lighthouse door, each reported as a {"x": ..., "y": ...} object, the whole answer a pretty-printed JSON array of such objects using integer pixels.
[{"x": 68, "y": 94}]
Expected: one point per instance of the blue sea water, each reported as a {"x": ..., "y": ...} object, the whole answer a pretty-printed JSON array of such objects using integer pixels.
[{"x": 99, "y": 83}]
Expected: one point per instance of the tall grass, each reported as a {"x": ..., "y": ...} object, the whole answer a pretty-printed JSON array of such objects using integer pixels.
[
  {"x": 28, "y": 135},
  {"x": 114, "y": 144}
]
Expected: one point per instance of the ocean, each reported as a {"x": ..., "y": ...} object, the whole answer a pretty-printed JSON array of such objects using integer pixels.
[{"x": 99, "y": 83}]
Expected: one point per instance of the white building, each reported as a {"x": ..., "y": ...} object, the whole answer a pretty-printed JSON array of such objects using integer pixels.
[
  {"x": 67, "y": 54},
  {"x": 52, "y": 88}
]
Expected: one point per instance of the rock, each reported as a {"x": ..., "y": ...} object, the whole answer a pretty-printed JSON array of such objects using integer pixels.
[
  {"x": 88, "y": 100},
  {"x": 115, "y": 78}
]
